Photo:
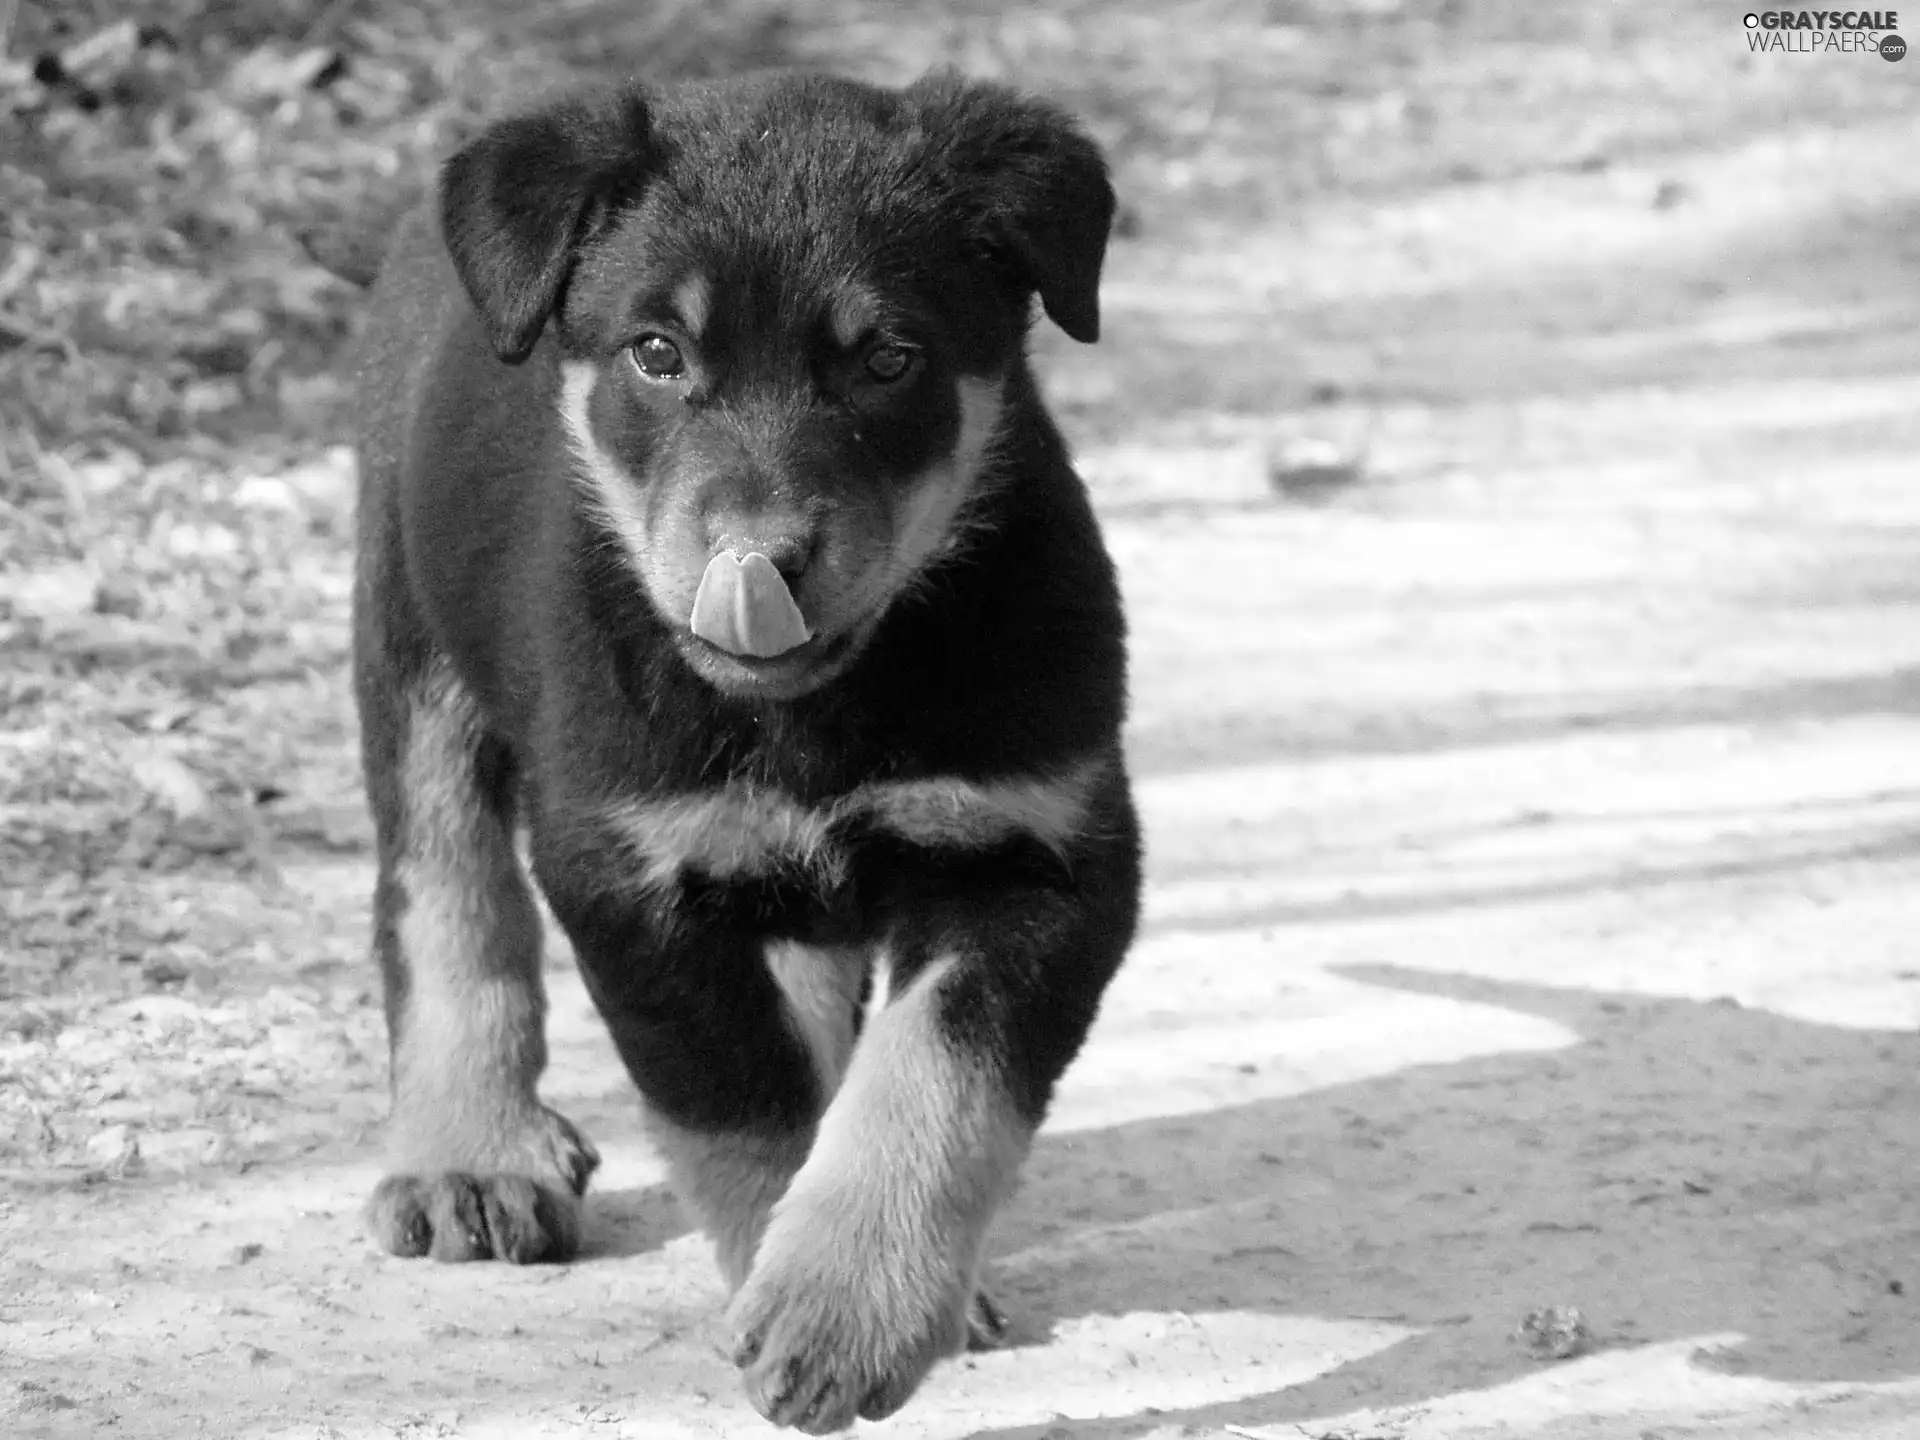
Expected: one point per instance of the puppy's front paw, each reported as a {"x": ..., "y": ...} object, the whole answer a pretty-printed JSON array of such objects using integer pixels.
[
  {"x": 515, "y": 1197},
  {"x": 821, "y": 1338}
]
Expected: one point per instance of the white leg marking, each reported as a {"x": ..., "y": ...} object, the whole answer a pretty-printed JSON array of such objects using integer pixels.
[
  {"x": 471, "y": 1045},
  {"x": 822, "y": 989},
  {"x": 884, "y": 1225}
]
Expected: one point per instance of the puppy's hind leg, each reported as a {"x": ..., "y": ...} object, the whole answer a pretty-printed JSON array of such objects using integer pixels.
[{"x": 478, "y": 1166}]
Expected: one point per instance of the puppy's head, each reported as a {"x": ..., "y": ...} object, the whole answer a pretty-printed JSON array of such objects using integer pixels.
[{"x": 786, "y": 313}]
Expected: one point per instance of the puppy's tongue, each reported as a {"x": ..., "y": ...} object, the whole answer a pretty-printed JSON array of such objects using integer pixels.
[{"x": 745, "y": 608}]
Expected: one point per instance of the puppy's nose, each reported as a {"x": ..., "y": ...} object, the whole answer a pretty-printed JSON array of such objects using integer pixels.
[{"x": 788, "y": 543}]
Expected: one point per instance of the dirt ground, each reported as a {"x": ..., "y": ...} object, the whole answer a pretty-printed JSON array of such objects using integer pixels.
[{"x": 1528, "y": 734}]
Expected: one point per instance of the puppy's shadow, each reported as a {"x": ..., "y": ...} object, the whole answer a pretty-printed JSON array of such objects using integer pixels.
[{"x": 1686, "y": 1169}]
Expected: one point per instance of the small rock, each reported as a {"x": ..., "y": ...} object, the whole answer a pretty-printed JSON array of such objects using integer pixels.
[
  {"x": 1554, "y": 1332},
  {"x": 171, "y": 783},
  {"x": 265, "y": 492},
  {"x": 118, "y": 595},
  {"x": 164, "y": 973},
  {"x": 1311, "y": 469},
  {"x": 116, "y": 1150},
  {"x": 1670, "y": 194},
  {"x": 241, "y": 1254}
]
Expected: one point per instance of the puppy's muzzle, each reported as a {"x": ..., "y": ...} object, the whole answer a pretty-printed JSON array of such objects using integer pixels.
[{"x": 744, "y": 607}]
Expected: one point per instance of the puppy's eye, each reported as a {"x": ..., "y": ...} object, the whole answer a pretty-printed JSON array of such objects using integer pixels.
[
  {"x": 658, "y": 358},
  {"x": 888, "y": 364}
]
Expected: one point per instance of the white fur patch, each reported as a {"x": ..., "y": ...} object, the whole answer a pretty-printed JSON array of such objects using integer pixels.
[
  {"x": 933, "y": 520},
  {"x": 822, "y": 990},
  {"x": 691, "y": 298},
  {"x": 735, "y": 832},
  {"x": 882, "y": 1228},
  {"x": 470, "y": 1041},
  {"x": 966, "y": 815},
  {"x": 610, "y": 491},
  {"x": 880, "y": 991},
  {"x": 741, "y": 831},
  {"x": 851, "y": 316}
]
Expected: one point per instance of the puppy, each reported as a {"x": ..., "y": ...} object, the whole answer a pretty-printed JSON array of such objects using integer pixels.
[{"x": 712, "y": 528}]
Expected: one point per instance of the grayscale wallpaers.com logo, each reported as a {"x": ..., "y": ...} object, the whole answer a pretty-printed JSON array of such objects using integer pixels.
[{"x": 1801, "y": 32}]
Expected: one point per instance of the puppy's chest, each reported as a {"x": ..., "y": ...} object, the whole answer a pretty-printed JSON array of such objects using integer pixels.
[{"x": 814, "y": 869}]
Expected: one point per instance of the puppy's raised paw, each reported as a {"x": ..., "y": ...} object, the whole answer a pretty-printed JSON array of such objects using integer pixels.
[{"x": 823, "y": 1342}]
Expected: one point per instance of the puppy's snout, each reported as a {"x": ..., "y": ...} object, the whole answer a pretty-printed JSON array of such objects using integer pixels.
[{"x": 788, "y": 540}]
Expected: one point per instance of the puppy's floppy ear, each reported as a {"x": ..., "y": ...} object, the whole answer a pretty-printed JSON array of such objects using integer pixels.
[
  {"x": 1036, "y": 187},
  {"x": 516, "y": 203}
]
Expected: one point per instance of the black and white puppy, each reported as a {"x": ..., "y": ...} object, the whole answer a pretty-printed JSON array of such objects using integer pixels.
[{"x": 713, "y": 529}]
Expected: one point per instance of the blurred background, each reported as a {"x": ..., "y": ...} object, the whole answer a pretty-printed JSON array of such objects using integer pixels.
[{"x": 161, "y": 154}]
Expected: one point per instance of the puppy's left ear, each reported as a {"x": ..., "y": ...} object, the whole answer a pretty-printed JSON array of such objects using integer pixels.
[
  {"x": 518, "y": 201},
  {"x": 1036, "y": 185}
]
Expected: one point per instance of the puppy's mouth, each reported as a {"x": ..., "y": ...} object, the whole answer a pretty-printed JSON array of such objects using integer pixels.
[
  {"x": 785, "y": 676},
  {"x": 747, "y": 635}
]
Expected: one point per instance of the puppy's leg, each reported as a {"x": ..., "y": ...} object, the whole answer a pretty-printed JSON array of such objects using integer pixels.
[
  {"x": 869, "y": 1263},
  {"x": 728, "y": 1181},
  {"x": 478, "y": 1167},
  {"x": 867, "y": 1270},
  {"x": 731, "y": 1180},
  {"x": 726, "y": 1066}
]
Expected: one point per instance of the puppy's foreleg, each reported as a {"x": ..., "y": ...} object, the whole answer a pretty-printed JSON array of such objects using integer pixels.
[
  {"x": 733, "y": 1074},
  {"x": 864, "y": 1276},
  {"x": 478, "y": 1166},
  {"x": 729, "y": 1180}
]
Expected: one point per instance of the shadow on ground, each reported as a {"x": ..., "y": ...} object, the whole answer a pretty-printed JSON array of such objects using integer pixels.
[
  {"x": 1686, "y": 1169},
  {"x": 1683, "y": 1171}
]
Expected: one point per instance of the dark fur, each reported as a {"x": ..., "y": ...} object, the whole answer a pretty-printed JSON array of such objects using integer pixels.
[{"x": 512, "y": 668}]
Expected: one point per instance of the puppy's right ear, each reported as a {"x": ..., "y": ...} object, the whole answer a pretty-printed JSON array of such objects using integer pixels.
[{"x": 517, "y": 202}]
